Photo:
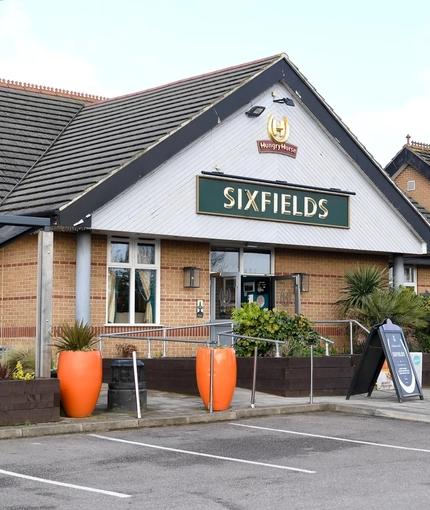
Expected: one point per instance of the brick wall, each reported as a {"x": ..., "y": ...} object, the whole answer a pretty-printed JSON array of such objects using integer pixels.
[
  {"x": 422, "y": 195},
  {"x": 18, "y": 285},
  {"x": 326, "y": 270},
  {"x": 178, "y": 305},
  {"x": 423, "y": 279},
  {"x": 326, "y": 276},
  {"x": 422, "y": 186}
]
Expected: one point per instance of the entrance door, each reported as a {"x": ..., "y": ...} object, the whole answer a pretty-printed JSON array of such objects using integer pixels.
[
  {"x": 285, "y": 294},
  {"x": 225, "y": 296}
]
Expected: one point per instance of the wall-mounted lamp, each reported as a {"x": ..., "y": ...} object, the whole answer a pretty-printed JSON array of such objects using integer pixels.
[
  {"x": 255, "y": 111},
  {"x": 303, "y": 282},
  {"x": 191, "y": 277},
  {"x": 288, "y": 101}
]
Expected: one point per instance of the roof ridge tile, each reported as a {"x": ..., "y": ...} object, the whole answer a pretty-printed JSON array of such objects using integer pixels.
[{"x": 52, "y": 91}]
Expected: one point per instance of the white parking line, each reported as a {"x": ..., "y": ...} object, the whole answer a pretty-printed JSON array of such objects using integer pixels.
[
  {"x": 382, "y": 445},
  {"x": 61, "y": 484},
  {"x": 232, "y": 459}
]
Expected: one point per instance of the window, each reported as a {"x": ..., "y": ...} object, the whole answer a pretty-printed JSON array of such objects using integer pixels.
[
  {"x": 224, "y": 261},
  {"x": 410, "y": 277},
  {"x": 133, "y": 281},
  {"x": 245, "y": 261},
  {"x": 256, "y": 262}
]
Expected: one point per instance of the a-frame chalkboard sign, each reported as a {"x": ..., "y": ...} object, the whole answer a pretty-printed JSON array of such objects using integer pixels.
[{"x": 386, "y": 341}]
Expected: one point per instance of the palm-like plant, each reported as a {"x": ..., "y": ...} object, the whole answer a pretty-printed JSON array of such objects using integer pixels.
[
  {"x": 359, "y": 285},
  {"x": 76, "y": 337},
  {"x": 403, "y": 307}
]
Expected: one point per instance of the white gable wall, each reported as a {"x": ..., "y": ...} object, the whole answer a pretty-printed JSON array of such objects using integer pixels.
[{"x": 164, "y": 203}]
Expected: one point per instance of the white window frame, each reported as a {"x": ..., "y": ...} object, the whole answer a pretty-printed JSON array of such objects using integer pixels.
[
  {"x": 413, "y": 272},
  {"x": 133, "y": 265}
]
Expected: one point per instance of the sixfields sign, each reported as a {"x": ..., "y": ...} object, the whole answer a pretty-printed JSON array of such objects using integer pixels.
[{"x": 271, "y": 202}]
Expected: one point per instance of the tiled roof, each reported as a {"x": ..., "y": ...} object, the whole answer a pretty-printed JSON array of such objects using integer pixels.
[
  {"x": 414, "y": 154},
  {"x": 105, "y": 136},
  {"x": 422, "y": 150},
  {"x": 420, "y": 208},
  {"x": 29, "y": 122},
  {"x": 97, "y": 151}
]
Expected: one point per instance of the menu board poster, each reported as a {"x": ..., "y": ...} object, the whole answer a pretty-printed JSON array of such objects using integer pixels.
[{"x": 399, "y": 361}]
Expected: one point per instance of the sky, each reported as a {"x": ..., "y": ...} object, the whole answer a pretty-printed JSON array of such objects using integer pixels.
[{"x": 369, "y": 60}]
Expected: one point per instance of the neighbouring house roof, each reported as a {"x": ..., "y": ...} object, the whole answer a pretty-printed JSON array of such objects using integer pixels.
[
  {"x": 421, "y": 209},
  {"x": 415, "y": 154},
  {"x": 97, "y": 150}
]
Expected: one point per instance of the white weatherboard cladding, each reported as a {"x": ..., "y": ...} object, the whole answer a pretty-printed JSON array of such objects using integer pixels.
[{"x": 164, "y": 202}]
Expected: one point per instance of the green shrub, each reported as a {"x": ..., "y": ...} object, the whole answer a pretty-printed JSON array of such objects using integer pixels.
[
  {"x": 367, "y": 299},
  {"x": 296, "y": 332},
  {"x": 19, "y": 374},
  {"x": 250, "y": 320},
  {"x": 24, "y": 355},
  {"x": 422, "y": 335},
  {"x": 403, "y": 307}
]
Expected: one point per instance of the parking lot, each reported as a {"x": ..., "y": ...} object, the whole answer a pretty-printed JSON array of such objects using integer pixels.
[{"x": 320, "y": 460}]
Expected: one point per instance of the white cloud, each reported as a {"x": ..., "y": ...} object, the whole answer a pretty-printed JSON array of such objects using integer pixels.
[{"x": 24, "y": 58}]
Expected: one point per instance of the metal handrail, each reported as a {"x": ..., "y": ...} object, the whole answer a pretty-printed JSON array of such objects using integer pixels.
[
  {"x": 209, "y": 343},
  {"x": 276, "y": 342},
  {"x": 132, "y": 335},
  {"x": 142, "y": 335},
  {"x": 235, "y": 335},
  {"x": 351, "y": 322},
  {"x": 277, "y": 355}
]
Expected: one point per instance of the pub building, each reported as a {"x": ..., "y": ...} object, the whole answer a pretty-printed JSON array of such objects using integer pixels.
[{"x": 171, "y": 206}]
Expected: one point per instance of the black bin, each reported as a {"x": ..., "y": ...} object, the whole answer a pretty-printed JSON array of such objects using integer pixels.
[{"x": 121, "y": 389}]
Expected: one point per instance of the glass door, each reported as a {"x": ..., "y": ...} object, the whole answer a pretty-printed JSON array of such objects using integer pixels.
[
  {"x": 285, "y": 294},
  {"x": 225, "y": 296}
]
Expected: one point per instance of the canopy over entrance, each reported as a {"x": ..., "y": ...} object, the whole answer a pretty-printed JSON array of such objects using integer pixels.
[{"x": 13, "y": 227}]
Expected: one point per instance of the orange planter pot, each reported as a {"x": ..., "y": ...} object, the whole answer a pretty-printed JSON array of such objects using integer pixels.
[
  {"x": 224, "y": 376},
  {"x": 80, "y": 374}
]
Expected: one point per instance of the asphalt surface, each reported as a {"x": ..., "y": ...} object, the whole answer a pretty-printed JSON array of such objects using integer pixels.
[
  {"x": 172, "y": 409},
  {"x": 322, "y": 461}
]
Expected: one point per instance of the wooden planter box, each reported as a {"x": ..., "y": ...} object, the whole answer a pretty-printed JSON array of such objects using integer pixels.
[
  {"x": 287, "y": 377},
  {"x": 32, "y": 401},
  {"x": 176, "y": 375},
  {"x": 291, "y": 377}
]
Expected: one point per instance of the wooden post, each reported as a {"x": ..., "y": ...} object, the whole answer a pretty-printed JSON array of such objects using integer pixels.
[{"x": 44, "y": 303}]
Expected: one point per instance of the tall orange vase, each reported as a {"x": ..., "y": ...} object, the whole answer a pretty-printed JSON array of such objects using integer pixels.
[
  {"x": 80, "y": 374},
  {"x": 224, "y": 376}
]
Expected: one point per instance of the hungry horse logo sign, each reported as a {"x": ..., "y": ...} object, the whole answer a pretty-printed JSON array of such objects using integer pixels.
[{"x": 279, "y": 132}]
